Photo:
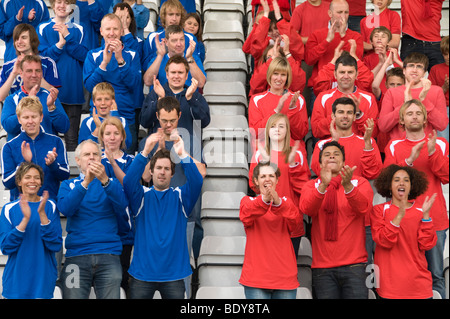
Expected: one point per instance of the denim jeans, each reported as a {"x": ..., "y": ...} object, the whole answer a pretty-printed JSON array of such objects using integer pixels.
[
  {"x": 435, "y": 258},
  {"x": 101, "y": 271},
  {"x": 259, "y": 293},
  {"x": 345, "y": 282},
  {"x": 139, "y": 289},
  {"x": 431, "y": 49}
]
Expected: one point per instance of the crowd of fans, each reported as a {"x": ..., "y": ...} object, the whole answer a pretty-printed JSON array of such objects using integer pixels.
[{"x": 371, "y": 89}]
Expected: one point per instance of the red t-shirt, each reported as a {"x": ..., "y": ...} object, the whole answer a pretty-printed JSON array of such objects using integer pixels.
[
  {"x": 416, "y": 24},
  {"x": 270, "y": 261},
  {"x": 388, "y": 18},
  {"x": 349, "y": 248},
  {"x": 437, "y": 76},
  {"x": 394, "y": 98},
  {"x": 321, "y": 114},
  {"x": 306, "y": 18},
  {"x": 435, "y": 167},
  {"x": 400, "y": 252},
  {"x": 357, "y": 7}
]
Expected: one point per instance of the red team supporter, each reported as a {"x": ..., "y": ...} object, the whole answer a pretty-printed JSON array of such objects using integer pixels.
[
  {"x": 345, "y": 74},
  {"x": 291, "y": 161},
  {"x": 309, "y": 16},
  {"x": 403, "y": 231},
  {"x": 428, "y": 153},
  {"x": 337, "y": 201},
  {"x": 270, "y": 261},
  {"x": 278, "y": 100},
  {"x": 416, "y": 87},
  {"x": 319, "y": 49},
  {"x": 382, "y": 16}
]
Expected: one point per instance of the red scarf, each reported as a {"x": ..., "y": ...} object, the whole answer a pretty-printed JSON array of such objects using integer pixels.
[{"x": 330, "y": 205}]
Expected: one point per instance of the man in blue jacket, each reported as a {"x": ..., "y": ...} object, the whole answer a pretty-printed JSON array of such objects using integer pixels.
[
  {"x": 119, "y": 66},
  {"x": 161, "y": 257},
  {"x": 55, "y": 119},
  {"x": 35, "y": 145},
  {"x": 96, "y": 211}
]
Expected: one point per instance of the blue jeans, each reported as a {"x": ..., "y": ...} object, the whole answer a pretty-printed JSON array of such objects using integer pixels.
[
  {"x": 101, "y": 271},
  {"x": 139, "y": 289},
  {"x": 259, "y": 293},
  {"x": 435, "y": 258},
  {"x": 345, "y": 282}
]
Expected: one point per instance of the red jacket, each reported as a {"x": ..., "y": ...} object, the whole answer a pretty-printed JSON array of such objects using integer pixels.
[
  {"x": 262, "y": 106},
  {"x": 318, "y": 52},
  {"x": 394, "y": 98},
  {"x": 321, "y": 114},
  {"x": 259, "y": 39},
  {"x": 434, "y": 166},
  {"x": 270, "y": 261},
  {"x": 349, "y": 248},
  {"x": 400, "y": 252},
  {"x": 325, "y": 79},
  {"x": 291, "y": 180},
  {"x": 258, "y": 81}
]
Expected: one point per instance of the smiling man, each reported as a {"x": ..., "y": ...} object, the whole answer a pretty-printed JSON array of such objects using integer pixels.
[
  {"x": 337, "y": 201},
  {"x": 117, "y": 65},
  {"x": 428, "y": 153},
  {"x": 176, "y": 44},
  {"x": 33, "y": 144},
  {"x": 346, "y": 72}
]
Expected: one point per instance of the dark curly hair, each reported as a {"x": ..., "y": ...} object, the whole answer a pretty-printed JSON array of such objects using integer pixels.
[{"x": 418, "y": 180}]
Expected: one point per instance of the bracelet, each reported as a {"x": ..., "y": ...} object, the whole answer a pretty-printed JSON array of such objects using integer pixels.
[
  {"x": 288, "y": 55},
  {"x": 106, "y": 184},
  {"x": 426, "y": 220}
]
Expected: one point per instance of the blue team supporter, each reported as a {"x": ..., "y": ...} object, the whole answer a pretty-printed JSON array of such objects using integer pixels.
[
  {"x": 33, "y": 144},
  {"x": 55, "y": 119},
  {"x": 96, "y": 210},
  {"x": 161, "y": 258},
  {"x": 26, "y": 42},
  {"x": 14, "y": 12},
  {"x": 30, "y": 234}
]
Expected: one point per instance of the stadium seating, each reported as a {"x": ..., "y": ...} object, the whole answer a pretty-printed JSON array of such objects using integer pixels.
[{"x": 226, "y": 98}]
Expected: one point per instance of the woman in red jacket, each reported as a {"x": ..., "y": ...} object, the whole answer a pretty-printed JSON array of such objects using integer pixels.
[
  {"x": 270, "y": 265},
  {"x": 278, "y": 99},
  {"x": 403, "y": 232}
]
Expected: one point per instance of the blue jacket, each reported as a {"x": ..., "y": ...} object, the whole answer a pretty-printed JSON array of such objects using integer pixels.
[
  {"x": 94, "y": 216},
  {"x": 195, "y": 116},
  {"x": 8, "y": 20},
  {"x": 54, "y": 122},
  {"x": 124, "y": 163},
  {"x": 160, "y": 246},
  {"x": 89, "y": 16},
  {"x": 69, "y": 59},
  {"x": 124, "y": 79},
  {"x": 88, "y": 126},
  {"x": 30, "y": 271},
  {"x": 49, "y": 73},
  {"x": 40, "y": 146}
]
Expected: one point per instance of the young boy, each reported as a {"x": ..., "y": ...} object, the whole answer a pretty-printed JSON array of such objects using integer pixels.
[
  {"x": 382, "y": 16},
  {"x": 26, "y": 42},
  {"x": 439, "y": 76},
  {"x": 103, "y": 98},
  {"x": 62, "y": 40}
]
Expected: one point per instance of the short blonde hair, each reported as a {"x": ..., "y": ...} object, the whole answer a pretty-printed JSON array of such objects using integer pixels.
[
  {"x": 280, "y": 64},
  {"x": 105, "y": 88},
  {"x": 31, "y": 103},
  {"x": 112, "y": 120}
]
